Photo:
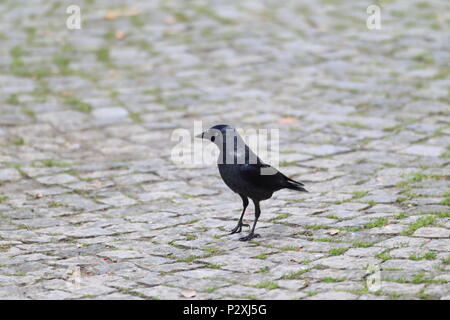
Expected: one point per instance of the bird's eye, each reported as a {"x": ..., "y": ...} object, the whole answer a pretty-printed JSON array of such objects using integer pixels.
[{"x": 213, "y": 138}]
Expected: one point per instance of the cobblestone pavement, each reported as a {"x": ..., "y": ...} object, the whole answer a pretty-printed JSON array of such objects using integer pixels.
[{"x": 91, "y": 205}]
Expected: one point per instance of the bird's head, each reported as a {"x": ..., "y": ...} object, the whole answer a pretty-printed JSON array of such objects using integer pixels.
[{"x": 217, "y": 134}]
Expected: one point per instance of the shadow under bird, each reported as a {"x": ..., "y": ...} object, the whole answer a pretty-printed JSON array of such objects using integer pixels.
[{"x": 244, "y": 173}]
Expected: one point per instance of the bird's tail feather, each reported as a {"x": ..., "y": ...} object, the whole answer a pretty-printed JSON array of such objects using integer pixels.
[{"x": 294, "y": 185}]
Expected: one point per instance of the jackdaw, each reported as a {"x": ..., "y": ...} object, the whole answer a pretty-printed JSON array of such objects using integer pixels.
[{"x": 244, "y": 173}]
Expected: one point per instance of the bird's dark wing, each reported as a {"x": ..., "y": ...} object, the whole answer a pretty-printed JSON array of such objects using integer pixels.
[{"x": 252, "y": 173}]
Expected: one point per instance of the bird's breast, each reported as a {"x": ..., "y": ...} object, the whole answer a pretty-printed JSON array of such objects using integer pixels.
[{"x": 230, "y": 175}]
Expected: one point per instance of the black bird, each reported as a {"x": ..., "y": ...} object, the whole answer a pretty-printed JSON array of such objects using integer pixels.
[{"x": 244, "y": 173}]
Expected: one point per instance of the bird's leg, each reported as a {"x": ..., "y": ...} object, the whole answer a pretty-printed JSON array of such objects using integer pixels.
[
  {"x": 239, "y": 226},
  {"x": 252, "y": 233}
]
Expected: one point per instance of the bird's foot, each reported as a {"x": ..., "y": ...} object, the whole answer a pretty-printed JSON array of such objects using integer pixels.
[
  {"x": 238, "y": 228},
  {"x": 250, "y": 236}
]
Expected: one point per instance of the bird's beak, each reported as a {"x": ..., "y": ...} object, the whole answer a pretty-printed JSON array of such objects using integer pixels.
[{"x": 200, "y": 136}]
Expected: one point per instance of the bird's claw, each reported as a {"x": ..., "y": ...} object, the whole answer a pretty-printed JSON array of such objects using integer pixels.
[
  {"x": 249, "y": 237},
  {"x": 238, "y": 228}
]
